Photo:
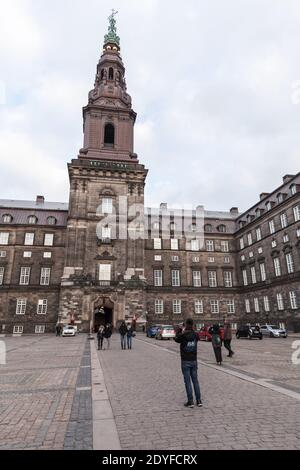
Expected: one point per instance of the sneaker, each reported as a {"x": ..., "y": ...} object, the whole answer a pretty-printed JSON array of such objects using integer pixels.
[
  {"x": 199, "y": 403},
  {"x": 189, "y": 404}
]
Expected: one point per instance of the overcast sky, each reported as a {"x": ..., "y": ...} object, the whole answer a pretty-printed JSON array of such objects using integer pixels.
[{"x": 211, "y": 80}]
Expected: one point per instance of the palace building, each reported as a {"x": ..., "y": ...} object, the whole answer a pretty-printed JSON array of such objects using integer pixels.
[{"x": 105, "y": 257}]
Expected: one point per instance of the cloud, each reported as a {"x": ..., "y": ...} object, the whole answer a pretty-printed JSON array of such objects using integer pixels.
[{"x": 211, "y": 82}]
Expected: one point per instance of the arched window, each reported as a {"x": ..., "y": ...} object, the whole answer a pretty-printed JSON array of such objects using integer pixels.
[
  {"x": 102, "y": 74},
  {"x": 51, "y": 220},
  {"x": 32, "y": 219},
  {"x": 208, "y": 228},
  {"x": 7, "y": 218},
  {"x": 111, "y": 73},
  {"x": 222, "y": 228},
  {"x": 109, "y": 135}
]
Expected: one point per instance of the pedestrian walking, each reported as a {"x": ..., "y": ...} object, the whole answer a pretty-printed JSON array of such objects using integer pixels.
[
  {"x": 188, "y": 340},
  {"x": 130, "y": 334},
  {"x": 107, "y": 335},
  {"x": 227, "y": 339},
  {"x": 57, "y": 329},
  {"x": 217, "y": 343},
  {"x": 100, "y": 337},
  {"x": 123, "y": 332}
]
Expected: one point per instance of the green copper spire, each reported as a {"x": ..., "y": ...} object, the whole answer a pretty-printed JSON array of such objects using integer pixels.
[{"x": 112, "y": 37}]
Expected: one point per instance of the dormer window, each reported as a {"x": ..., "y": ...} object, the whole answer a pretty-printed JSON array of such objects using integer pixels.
[
  {"x": 208, "y": 228},
  {"x": 109, "y": 135},
  {"x": 222, "y": 228},
  {"x": 52, "y": 221},
  {"x": 32, "y": 219},
  {"x": 268, "y": 206},
  {"x": 7, "y": 219},
  {"x": 293, "y": 189},
  {"x": 111, "y": 73}
]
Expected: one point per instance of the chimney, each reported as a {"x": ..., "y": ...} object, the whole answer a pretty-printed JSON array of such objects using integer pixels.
[
  {"x": 263, "y": 195},
  {"x": 234, "y": 211},
  {"x": 287, "y": 178},
  {"x": 40, "y": 200}
]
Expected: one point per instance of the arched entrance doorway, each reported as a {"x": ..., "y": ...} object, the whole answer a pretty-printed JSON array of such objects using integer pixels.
[{"x": 103, "y": 312}]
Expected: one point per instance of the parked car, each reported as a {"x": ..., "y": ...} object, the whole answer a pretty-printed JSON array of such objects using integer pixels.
[
  {"x": 165, "y": 332},
  {"x": 204, "y": 334},
  {"x": 273, "y": 331},
  {"x": 151, "y": 331},
  {"x": 248, "y": 331},
  {"x": 69, "y": 330}
]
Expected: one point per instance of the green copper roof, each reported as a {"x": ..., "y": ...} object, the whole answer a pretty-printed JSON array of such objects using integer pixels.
[{"x": 112, "y": 37}]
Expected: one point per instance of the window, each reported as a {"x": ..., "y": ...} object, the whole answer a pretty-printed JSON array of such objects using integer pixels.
[
  {"x": 157, "y": 243},
  {"x": 2, "y": 254},
  {"x": 224, "y": 246},
  {"x": 29, "y": 239},
  {"x": 174, "y": 244},
  {"x": 208, "y": 228},
  {"x": 176, "y": 306},
  {"x": 253, "y": 274},
  {"x": 266, "y": 304},
  {"x": 211, "y": 259},
  {"x": 272, "y": 226},
  {"x": 222, "y": 228},
  {"x": 52, "y": 221},
  {"x": 242, "y": 245},
  {"x": 245, "y": 277},
  {"x": 21, "y": 306},
  {"x": 195, "y": 245},
  {"x": 290, "y": 263},
  {"x": 18, "y": 329},
  {"x": 48, "y": 240},
  {"x": 298, "y": 232},
  {"x": 283, "y": 220},
  {"x": 247, "y": 306},
  {"x": 227, "y": 260},
  {"x": 209, "y": 245},
  {"x": 196, "y": 259},
  {"x": 27, "y": 254},
  {"x": 249, "y": 237},
  {"x": 251, "y": 254},
  {"x": 256, "y": 305},
  {"x": 193, "y": 228},
  {"x": 159, "y": 306},
  {"x": 156, "y": 226},
  {"x": 105, "y": 272},
  {"x": 107, "y": 205},
  {"x": 293, "y": 300},
  {"x": 1, "y": 275},
  {"x": 25, "y": 276},
  {"x": 260, "y": 250},
  {"x": 175, "y": 278},
  {"x": 110, "y": 73},
  {"x": 212, "y": 278},
  {"x": 280, "y": 198},
  {"x": 106, "y": 233},
  {"x": 157, "y": 276},
  {"x": 268, "y": 206},
  {"x": 172, "y": 226},
  {"x": 4, "y": 237},
  {"x": 47, "y": 254},
  {"x": 293, "y": 189},
  {"x": 7, "y": 218},
  {"x": 175, "y": 258},
  {"x": 277, "y": 267},
  {"x": 227, "y": 279},
  {"x": 296, "y": 211},
  {"x": 42, "y": 307},
  {"x": 243, "y": 258},
  {"x": 280, "y": 303},
  {"x": 263, "y": 274},
  {"x": 274, "y": 243},
  {"x": 39, "y": 329},
  {"x": 214, "y": 306},
  {"x": 285, "y": 238},
  {"x": 198, "y": 306},
  {"x": 45, "y": 276},
  {"x": 258, "y": 234},
  {"x": 109, "y": 135},
  {"x": 196, "y": 278},
  {"x": 230, "y": 306},
  {"x": 32, "y": 219}
]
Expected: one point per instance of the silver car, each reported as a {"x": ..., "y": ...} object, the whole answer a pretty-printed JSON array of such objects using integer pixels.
[
  {"x": 273, "y": 331},
  {"x": 165, "y": 332}
]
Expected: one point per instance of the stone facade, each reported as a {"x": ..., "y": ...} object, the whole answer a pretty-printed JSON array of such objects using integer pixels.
[{"x": 104, "y": 257}]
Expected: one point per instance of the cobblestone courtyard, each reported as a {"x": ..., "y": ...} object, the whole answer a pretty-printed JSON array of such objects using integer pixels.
[{"x": 252, "y": 402}]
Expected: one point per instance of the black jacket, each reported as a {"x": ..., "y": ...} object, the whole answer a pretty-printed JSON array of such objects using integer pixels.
[
  {"x": 123, "y": 329},
  {"x": 107, "y": 332},
  {"x": 188, "y": 344}
]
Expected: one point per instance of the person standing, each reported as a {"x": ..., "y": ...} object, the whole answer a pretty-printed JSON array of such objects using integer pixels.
[
  {"x": 100, "y": 337},
  {"x": 123, "y": 332},
  {"x": 217, "y": 343},
  {"x": 188, "y": 340},
  {"x": 130, "y": 334},
  {"x": 107, "y": 335},
  {"x": 227, "y": 339}
]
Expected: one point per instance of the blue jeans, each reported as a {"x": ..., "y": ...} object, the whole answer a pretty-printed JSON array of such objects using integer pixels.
[
  {"x": 129, "y": 342},
  {"x": 123, "y": 341},
  {"x": 190, "y": 375}
]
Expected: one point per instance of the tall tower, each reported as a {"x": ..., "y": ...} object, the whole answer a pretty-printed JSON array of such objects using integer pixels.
[{"x": 103, "y": 278}]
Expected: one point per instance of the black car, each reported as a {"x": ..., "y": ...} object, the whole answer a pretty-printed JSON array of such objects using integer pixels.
[{"x": 250, "y": 332}]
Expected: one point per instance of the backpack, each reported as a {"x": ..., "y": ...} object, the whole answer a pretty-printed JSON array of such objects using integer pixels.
[
  {"x": 190, "y": 346},
  {"x": 216, "y": 341}
]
